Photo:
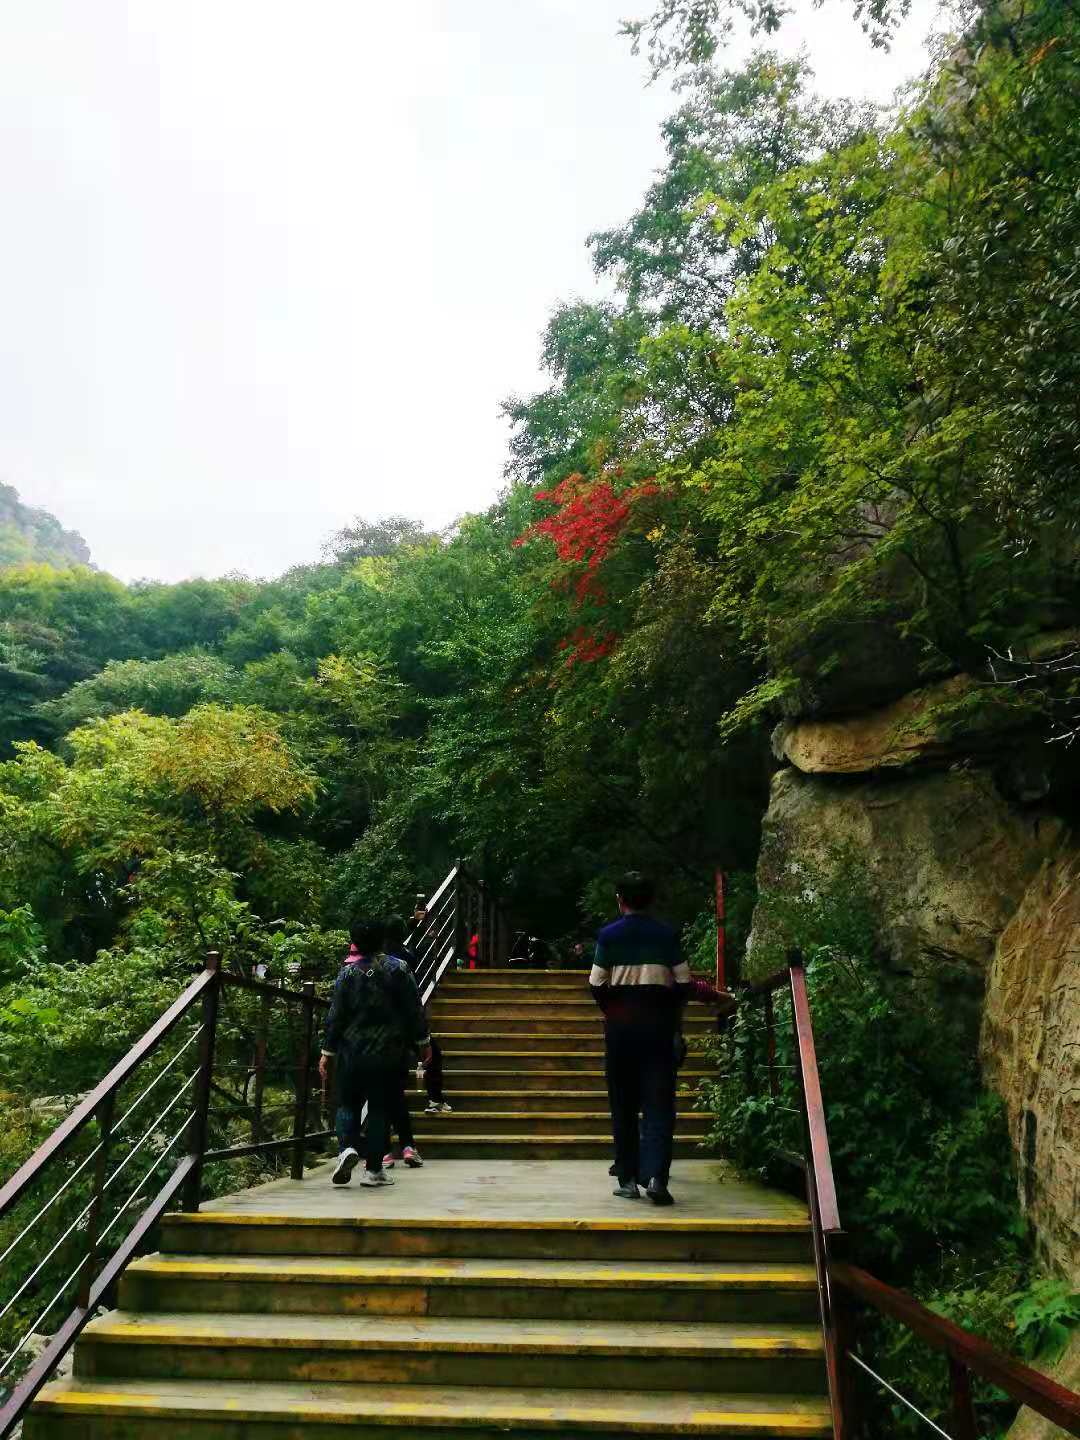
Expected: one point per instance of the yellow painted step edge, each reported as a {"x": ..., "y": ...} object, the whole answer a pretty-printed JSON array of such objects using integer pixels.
[
  {"x": 797, "y": 1344},
  {"x": 554, "y": 1276},
  {"x": 730, "y": 1225},
  {"x": 390, "y": 1411}
]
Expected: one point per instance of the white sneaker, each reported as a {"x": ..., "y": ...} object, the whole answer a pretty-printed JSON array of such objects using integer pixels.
[
  {"x": 376, "y": 1177},
  {"x": 437, "y": 1107},
  {"x": 347, "y": 1162},
  {"x": 412, "y": 1157}
]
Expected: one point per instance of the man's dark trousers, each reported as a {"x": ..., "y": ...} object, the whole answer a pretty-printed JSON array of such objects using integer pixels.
[{"x": 640, "y": 1068}]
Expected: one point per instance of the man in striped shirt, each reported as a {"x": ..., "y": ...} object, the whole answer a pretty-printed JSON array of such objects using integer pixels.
[{"x": 641, "y": 982}]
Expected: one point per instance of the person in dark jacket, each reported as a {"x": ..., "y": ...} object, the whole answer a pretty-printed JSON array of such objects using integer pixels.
[
  {"x": 375, "y": 1029},
  {"x": 641, "y": 983}
]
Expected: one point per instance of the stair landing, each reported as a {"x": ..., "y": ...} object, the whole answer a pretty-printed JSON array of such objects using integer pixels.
[{"x": 486, "y": 1192}]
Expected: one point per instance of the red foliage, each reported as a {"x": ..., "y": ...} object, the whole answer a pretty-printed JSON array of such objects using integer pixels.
[
  {"x": 584, "y": 527},
  {"x": 589, "y": 519},
  {"x": 584, "y": 645}
]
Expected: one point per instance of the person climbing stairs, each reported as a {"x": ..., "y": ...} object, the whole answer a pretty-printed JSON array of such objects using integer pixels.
[
  {"x": 523, "y": 1065},
  {"x": 500, "y": 1291}
]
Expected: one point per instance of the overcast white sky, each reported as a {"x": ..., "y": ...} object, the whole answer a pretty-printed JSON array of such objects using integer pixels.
[{"x": 267, "y": 264}]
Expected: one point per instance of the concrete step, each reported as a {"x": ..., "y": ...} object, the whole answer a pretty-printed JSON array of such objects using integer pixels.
[
  {"x": 592, "y": 1145},
  {"x": 515, "y": 1057},
  {"x": 542, "y": 1023},
  {"x": 538, "y": 1122},
  {"x": 456, "y": 1041},
  {"x": 214, "y": 1410},
  {"x": 512, "y": 1289},
  {"x": 403, "y": 1350},
  {"x": 512, "y": 976},
  {"x": 644, "y": 1234},
  {"x": 479, "y": 1101},
  {"x": 580, "y": 1010},
  {"x": 464, "y": 1073}
]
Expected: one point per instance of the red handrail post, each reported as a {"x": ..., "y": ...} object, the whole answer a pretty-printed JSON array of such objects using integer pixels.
[
  {"x": 721, "y": 933},
  {"x": 199, "y": 1118},
  {"x": 303, "y": 1083}
]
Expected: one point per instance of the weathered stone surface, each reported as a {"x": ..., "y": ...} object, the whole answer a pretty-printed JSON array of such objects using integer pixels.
[
  {"x": 1028, "y": 1425},
  {"x": 1031, "y": 1052},
  {"x": 919, "y": 727},
  {"x": 948, "y": 857}
]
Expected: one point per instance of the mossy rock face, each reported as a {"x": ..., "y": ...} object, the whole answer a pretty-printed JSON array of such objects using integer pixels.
[
  {"x": 946, "y": 856},
  {"x": 1031, "y": 1056},
  {"x": 957, "y": 717}
]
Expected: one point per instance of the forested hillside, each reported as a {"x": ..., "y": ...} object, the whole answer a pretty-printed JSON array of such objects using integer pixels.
[
  {"x": 818, "y": 451},
  {"x": 29, "y": 534}
]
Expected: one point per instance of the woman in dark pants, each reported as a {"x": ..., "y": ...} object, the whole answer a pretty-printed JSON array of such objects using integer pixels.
[{"x": 375, "y": 1028}]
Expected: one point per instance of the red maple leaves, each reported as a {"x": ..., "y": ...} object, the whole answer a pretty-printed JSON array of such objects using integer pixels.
[{"x": 589, "y": 518}]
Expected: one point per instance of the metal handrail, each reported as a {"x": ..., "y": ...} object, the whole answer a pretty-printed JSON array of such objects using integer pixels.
[
  {"x": 839, "y": 1284},
  {"x": 85, "y": 1111},
  {"x": 451, "y": 906},
  {"x": 184, "y": 1180}
]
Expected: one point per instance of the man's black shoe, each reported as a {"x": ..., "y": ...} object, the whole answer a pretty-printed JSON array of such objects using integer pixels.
[
  {"x": 612, "y": 1171},
  {"x": 658, "y": 1193}
]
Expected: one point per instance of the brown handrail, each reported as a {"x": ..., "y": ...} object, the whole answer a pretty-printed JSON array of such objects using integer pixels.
[
  {"x": 90, "y": 1288},
  {"x": 1027, "y": 1386},
  {"x": 819, "y": 1156},
  {"x": 967, "y": 1354},
  {"x": 85, "y": 1111}
]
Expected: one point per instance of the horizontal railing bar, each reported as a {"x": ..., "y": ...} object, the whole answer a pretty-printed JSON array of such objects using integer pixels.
[
  {"x": 50, "y": 1202},
  {"x": 431, "y": 959},
  {"x": 234, "y": 1152},
  {"x": 150, "y": 1131},
  {"x": 1029, "y": 1387},
  {"x": 428, "y": 934},
  {"x": 443, "y": 888},
  {"x": 32, "y": 1327},
  {"x": 83, "y": 1112},
  {"x": 61, "y": 1342},
  {"x": 47, "y": 1257},
  {"x": 157, "y": 1078},
  {"x": 157, "y": 1161},
  {"x": 439, "y": 974},
  {"x": 902, "y": 1398},
  {"x": 260, "y": 987}
]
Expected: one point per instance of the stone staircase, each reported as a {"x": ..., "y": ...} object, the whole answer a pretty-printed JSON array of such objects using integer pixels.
[
  {"x": 524, "y": 1069},
  {"x": 504, "y": 1291}
]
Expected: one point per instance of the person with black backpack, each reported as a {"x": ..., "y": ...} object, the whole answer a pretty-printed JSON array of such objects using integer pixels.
[{"x": 374, "y": 1031}]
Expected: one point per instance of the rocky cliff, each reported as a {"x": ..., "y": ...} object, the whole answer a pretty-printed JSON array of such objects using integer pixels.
[{"x": 964, "y": 820}]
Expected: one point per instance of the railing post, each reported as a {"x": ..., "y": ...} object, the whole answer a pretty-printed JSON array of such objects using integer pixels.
[
  {"x": 458, "y": 927},
  {"x": 303, "y": 1083},
  {"x": 260, "y": 1069},
  {"x": 198, "y": 1125},
  {"x": 721, "y": 934},
  {"x": 770, "y": 1044},
  {"x": 93, "y": 1220},
  {"x": 962, "y": 1406},
  {"x": 843, "y": 1321}
]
